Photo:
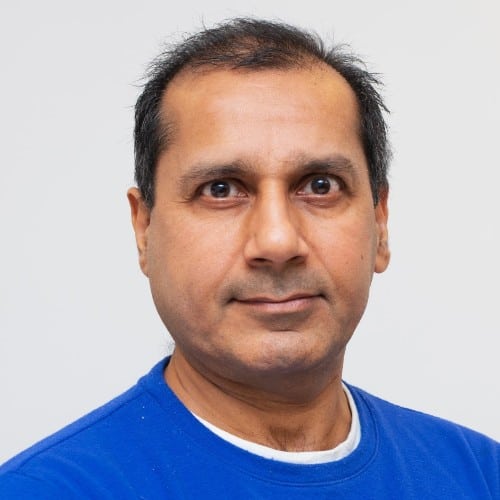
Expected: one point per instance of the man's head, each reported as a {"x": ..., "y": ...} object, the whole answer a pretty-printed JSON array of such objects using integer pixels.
[
  {"x": 263, "y": 236},
  {"x": 254, "y": 45}
]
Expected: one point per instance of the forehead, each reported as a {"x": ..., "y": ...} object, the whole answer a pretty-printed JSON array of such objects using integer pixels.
[{"x": 272, "y": 115}]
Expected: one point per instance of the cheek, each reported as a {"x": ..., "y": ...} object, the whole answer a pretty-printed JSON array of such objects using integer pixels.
[
  {"x": 347, "y": 247},
  {"x": 348, "y": 257},
  {"x": 188, "y": 260}
]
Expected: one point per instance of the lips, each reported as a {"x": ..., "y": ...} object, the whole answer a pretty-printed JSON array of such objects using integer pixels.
[
  {"x": 278, "y": 300},
  {"x": 276, "y": 305}
]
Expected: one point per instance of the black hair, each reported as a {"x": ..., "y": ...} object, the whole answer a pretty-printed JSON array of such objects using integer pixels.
[{"x": 255, "y": 44}]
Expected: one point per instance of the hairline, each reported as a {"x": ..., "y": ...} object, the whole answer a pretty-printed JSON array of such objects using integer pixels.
[
  {"x": 235, "y": 45},
  {"x": 168, "y": 127}
]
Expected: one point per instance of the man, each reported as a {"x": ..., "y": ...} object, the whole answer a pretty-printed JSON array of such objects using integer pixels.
[{"x": 260, "y": 217}]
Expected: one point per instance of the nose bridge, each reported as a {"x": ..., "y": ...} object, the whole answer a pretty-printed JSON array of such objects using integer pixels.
[{"x": 273, "y": 231}]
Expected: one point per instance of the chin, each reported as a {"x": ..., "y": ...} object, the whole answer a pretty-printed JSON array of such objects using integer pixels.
[{"x": 285, "y": 356}]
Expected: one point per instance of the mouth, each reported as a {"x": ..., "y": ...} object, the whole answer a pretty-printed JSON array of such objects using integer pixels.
[
  {"x": 278, "y": 300},
  {"x": 297, "y": 302}
]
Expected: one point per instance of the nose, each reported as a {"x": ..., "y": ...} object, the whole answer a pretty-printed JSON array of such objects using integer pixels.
[{"x": 273, "y": 232}]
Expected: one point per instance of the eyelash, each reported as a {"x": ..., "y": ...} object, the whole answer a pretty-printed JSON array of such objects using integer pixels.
[
  {"x": 336, "y": 185},
  {"x": 209, "y": 185}
]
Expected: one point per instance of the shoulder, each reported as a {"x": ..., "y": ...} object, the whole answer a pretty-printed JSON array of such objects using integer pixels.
[
  {"x": 115, "y": 412},
  {"x": 83, "y": 452},
  {"x": 386, "y": 411},
  {"x": 431, "y": 440}
]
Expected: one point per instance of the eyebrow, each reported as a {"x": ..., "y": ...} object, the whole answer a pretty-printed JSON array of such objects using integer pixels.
[
  {"x": 206, "y": 172},
  {"x": 300, "y": 166},
  {"x": 337, "y": 164}
]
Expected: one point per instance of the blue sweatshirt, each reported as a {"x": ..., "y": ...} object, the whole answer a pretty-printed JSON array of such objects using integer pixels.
[{"x": 146, "y": 444}]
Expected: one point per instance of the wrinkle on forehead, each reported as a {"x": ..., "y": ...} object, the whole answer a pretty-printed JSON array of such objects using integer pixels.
[
  {"x": 255, "y": 86},
  {"x": 266, "y": 118}
]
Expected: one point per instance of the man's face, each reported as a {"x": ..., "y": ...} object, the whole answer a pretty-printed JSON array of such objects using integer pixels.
[{"x": 263, "y": 239}]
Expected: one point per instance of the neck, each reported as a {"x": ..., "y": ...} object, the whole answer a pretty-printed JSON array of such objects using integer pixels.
[{"x": 308, "y": 420}]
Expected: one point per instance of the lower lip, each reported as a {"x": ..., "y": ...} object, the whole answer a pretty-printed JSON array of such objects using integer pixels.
[{"x": 285, "y": 307}]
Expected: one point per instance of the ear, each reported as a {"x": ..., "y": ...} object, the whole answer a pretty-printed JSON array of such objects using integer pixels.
[
  {"x": 383, "y": 254},
  {"x": 140, "y": 221}
]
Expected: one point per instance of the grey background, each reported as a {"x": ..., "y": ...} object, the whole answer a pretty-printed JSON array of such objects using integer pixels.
[{"x": 77, "y": 324}]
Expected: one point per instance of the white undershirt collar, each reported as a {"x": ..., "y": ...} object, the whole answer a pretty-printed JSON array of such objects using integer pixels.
[{"x": 340, "y": 451}]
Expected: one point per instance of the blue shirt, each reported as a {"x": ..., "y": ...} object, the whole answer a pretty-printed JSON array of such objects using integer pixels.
[{"x": 146, "y": 444}]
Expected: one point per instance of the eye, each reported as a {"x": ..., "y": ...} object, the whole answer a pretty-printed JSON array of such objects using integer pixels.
[
  {"x": 321, "y": 185},
  {"x": 220, "y": 189}
]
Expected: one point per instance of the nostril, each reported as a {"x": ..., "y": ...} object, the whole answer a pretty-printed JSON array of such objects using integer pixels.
[{"x": 260, "y": 259}]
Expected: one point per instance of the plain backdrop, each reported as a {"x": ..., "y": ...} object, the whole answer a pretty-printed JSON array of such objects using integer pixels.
[{"x": 77, "y": 323}]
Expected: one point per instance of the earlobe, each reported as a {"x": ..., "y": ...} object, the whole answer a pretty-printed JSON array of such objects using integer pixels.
[
  {"x": 383, "y": 254},
  {"x": 140, "y": 214}
]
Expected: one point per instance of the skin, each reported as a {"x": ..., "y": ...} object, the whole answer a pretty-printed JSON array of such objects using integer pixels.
[{"x": 262, "y": 284}]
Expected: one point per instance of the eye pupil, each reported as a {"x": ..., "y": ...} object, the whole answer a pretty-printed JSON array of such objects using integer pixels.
[
  {"x": 320, "y": 185},
  {"x": 219, "y": 189}
]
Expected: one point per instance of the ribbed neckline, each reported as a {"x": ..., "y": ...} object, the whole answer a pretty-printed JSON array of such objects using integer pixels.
[
  {"x": 339, "y": 452},
  {"x": 216, "y": 448}
]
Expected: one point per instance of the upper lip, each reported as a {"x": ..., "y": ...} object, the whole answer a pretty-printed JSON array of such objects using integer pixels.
[{"x": 276, "y": 300}]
